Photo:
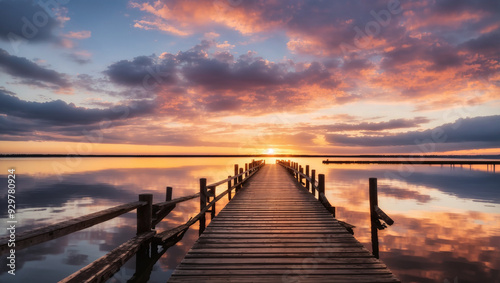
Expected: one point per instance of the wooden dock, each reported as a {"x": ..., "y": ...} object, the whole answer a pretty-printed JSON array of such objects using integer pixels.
[{"x": 274, "y": 230}]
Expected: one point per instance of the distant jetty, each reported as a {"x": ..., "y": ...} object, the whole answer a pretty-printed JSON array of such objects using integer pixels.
[{"x": 415, "y": 162}]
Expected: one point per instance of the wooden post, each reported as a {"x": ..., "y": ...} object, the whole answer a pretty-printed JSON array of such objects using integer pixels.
[
  {"x": 313, "y": 178},
  {"x": 307, "y": 180},
  {"x": 203, "y": 203},
  {"x": 321, "y": 184},
  {"x": 240, "y": 179},
  {"x": 246, "y": 170},
  {"x": 296, "y": 169},
  {"x": 236, "y": 179},
  {"x": 145, "y": 214},
  {"x": 212, "y": 210},
  {"x": 229, "y": 188},
  {"x": 300, "y": 176},
  {"x": 373, "y": 216},
  {"x": 168, "y": 194}
]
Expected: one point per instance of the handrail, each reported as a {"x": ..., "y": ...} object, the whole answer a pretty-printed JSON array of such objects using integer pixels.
[
  {"x": 54, "y": 231},
  {"x": 239, "y": 180},
  {"x": 316, "y": 183},
  {"x": 236, "y": 176},
  {"x": 175, "y": 201}
]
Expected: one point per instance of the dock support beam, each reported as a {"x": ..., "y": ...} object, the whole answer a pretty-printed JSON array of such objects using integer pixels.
[{"x": 373, "y": 216}]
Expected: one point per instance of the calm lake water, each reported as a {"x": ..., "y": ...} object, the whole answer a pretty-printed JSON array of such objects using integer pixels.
[{"x": 447, "y": 220}]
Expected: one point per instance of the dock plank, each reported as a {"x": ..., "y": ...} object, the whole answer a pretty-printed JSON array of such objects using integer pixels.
[{"x": 275, "y": 231}]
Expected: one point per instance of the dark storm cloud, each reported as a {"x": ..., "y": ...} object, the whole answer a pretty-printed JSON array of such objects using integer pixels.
[
  {"x": 140, "y": 70},
  {"x": 26, "y": 20},
  {"x": 217, "y": 72},
  {"x": 250, "y": 72},
  {"x": 58, "y": 112},
  {"x": 469, "y": 130},
  {"x": 21, "y": 67}
]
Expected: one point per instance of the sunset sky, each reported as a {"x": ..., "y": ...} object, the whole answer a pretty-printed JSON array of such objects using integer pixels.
[{"x": 245, "y": 77}]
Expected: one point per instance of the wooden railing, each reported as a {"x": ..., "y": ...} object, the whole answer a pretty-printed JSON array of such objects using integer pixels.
[
  {"x": 148, "y": 215},
  {"x": 376, "y": 213},
  {"x": 311, "y": 184}
]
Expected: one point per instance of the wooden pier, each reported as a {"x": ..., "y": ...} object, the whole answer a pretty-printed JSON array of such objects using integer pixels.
[
  {"x": 274, "y": 230},
  {"x": 278, "y": 227}
]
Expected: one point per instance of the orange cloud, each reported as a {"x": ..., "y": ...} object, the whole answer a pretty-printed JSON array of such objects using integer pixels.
[{"x": 188, "y": 15}]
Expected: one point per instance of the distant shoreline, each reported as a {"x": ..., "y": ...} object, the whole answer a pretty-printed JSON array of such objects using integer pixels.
[{"x": 247, "y": 155}]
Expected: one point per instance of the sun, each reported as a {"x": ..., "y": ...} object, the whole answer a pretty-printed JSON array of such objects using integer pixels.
[{"x": 270, "y": 151}]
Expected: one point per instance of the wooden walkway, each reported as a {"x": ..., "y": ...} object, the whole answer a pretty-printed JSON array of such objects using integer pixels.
[{"x": 275, "y": 231}]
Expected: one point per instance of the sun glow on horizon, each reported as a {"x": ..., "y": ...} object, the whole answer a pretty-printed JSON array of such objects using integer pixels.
[{"x": 270, "y": 151}]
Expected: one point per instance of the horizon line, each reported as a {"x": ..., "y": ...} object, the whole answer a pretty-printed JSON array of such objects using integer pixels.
[{"x": 21, "y": 155}]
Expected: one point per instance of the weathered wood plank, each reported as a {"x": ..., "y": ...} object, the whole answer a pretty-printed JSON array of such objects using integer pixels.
[
  {"x": 291, "y": 276},
  {"x": 305, "y": 266},
  {"x": 273, "y": 261},
  {"x": 54, "y": 231},
  {"x": 254, "y": 272},
  {"x": 168, "y": 203}
]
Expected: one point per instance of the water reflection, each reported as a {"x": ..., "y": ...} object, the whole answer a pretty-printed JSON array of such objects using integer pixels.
[{"x": 447, "y": 219}]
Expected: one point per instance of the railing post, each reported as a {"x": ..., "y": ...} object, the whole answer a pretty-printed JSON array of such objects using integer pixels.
[
  {"x": 240, "y": 179},
  {"x": 236, "y": 179},
  {"x": 145, "y": 214},
  {"x": 301, "y": 170},
  {"x": 313, "y": 179},
  {"x": 297, "y": 169},
  {"x": 212, "y": 210},
  {"x": 373, "y": 216},
  {"x": 203, "y": 203},
  {"x": 246, "y": 170},
  {"x": 168, "y": 194},
  {"x": 307, "y": 180},
  {"x": 229, "y": 188},
  {"x": 321, "y": 185}
]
